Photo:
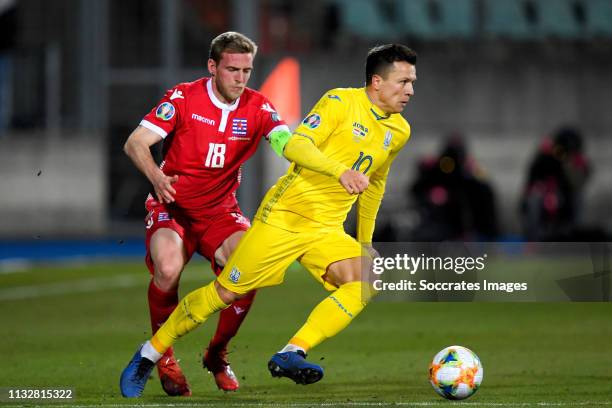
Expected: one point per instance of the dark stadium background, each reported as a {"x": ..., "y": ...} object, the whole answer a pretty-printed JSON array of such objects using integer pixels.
[
  {"x": 79, "y": 75},
  {"x": 76, "y": 77}
]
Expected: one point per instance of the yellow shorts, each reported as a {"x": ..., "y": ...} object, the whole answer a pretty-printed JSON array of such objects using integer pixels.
[{"x": 265, "y": 252}]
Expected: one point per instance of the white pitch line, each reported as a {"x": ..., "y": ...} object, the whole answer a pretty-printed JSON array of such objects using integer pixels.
[
  {"x": 78, "y": 286},
  {"x": 14, "y": 265},
  {"x": 23, "y": 265}
]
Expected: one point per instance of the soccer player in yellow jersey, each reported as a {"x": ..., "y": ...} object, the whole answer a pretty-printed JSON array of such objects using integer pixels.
[{"x": 341, "y": 154}]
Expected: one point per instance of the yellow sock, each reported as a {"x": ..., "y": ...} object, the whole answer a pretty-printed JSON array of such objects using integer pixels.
[
  {"x": 332, "y": 315},
  {"x": 191, "y": 312}
]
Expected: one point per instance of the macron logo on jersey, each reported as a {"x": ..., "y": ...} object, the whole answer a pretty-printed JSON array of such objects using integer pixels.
[{"x": 203, "y": 119}]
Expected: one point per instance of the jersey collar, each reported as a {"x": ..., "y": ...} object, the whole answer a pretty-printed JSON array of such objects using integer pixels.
[
  {"x": 216, "y": 100},
  {"x": 375, "y": 110}
]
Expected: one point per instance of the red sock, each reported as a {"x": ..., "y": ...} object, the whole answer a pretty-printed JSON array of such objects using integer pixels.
[
  {"x": 230, "y": 320},
  {"x": 161, "y": 305}
]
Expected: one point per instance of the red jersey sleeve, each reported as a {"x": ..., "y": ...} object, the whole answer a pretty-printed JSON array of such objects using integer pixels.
[
  {"x": 166, "y": 116},
  {"x": 270, "y": 119}
]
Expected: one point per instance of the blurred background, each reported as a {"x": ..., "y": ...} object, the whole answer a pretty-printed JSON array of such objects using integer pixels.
[{"x": 511, "y": 124}]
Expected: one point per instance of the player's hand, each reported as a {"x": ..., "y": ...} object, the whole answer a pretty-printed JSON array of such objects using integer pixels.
[
  {"x": 354, "y": 182},
  {"x": 163, "y": 188}
]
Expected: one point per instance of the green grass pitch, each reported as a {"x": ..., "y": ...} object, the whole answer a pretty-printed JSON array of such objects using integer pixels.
[{"x": 78, "y": 325}]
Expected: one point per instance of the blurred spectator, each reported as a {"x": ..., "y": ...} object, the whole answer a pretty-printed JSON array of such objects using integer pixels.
[
  {"x": 552, "y": 198},
  {"x": 453, "y": 199},
  {"x": 8, "y": 16}
]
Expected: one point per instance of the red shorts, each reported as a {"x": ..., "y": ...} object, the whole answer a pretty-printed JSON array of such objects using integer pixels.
[{"x": 203, "y": 236}]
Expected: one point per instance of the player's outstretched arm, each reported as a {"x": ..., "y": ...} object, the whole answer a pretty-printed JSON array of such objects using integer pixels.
[{"x": 137, "y": 147}]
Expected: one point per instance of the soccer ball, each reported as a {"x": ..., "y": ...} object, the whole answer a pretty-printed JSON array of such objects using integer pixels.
[{"x": 455, "y": 373}]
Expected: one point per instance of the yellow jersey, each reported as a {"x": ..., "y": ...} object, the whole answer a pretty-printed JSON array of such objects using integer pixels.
[{"x": 349, "y": 129}]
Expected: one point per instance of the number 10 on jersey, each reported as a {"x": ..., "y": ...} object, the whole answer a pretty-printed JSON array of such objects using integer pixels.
[{"x": 216, "y": 155}]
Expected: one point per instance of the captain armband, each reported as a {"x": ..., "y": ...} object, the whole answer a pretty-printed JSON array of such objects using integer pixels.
[{"x": 278, "y": 139}]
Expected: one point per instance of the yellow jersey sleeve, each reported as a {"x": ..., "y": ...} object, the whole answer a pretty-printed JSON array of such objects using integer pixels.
[
  {"x": 323, "y": 119},
  {"x": 301, "y": 151}
]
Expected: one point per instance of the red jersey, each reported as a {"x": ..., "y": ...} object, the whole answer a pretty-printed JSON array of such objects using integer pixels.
[{"x": 206, "y": 141}]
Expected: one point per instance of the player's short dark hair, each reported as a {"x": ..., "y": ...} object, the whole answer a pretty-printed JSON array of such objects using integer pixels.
[
  {"x": 382, "y": 57},
  {"x": 231, "y": 42}
]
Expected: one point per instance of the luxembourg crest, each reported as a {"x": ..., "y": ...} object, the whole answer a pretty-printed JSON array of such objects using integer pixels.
[{"x": 239, "y": 127}]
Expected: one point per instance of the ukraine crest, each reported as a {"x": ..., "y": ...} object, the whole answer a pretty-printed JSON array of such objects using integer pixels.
[
  {"x": 387, "y": 141},
  {"x": 234, "y": 275}
]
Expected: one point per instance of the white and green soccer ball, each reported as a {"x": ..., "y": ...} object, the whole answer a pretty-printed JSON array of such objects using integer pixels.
[{"x": 455, "y": 373}]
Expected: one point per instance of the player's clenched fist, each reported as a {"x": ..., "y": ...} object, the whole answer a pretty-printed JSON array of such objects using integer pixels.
[{"x": 354, "y": 182}]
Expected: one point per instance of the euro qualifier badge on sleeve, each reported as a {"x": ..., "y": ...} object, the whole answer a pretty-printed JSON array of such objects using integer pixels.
[
  {"x": 312, "y": 121},
  {"x": 165, "y": 111}
]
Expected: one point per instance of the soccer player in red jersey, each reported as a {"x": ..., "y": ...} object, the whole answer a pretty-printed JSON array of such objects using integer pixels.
[{"x": 209, "y": 128}]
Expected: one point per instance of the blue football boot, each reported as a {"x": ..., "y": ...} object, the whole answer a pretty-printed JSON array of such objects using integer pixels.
[
  {"x": 135, "y": 376},
  {"x": 293, "y": 365}
]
